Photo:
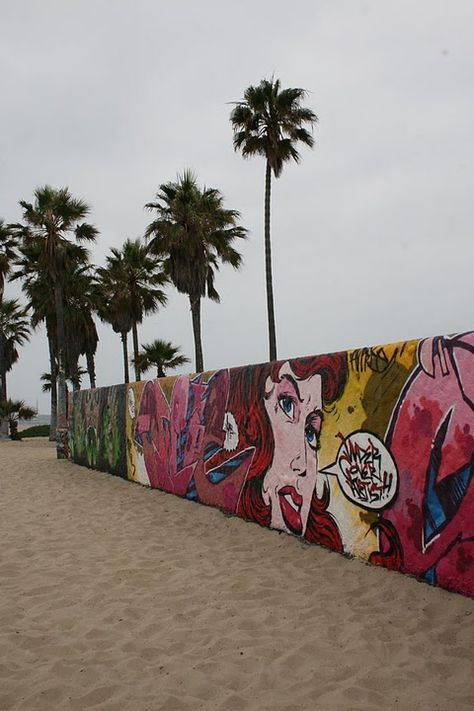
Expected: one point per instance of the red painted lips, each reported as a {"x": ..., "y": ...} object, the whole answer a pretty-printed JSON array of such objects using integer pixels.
[{"x": 290, "y": 505}]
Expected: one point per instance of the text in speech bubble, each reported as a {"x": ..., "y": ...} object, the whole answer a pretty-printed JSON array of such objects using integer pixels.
[{"x": 365, "y": 470}]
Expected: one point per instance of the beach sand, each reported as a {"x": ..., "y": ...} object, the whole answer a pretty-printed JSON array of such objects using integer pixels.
[{"x": 118, "y": 597}]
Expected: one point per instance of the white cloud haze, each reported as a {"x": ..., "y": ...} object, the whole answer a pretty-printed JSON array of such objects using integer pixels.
[{"x": 372, "y": 233}]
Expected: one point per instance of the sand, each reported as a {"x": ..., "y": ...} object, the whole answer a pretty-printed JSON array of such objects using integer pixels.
[{"x": 118, "y": 597}]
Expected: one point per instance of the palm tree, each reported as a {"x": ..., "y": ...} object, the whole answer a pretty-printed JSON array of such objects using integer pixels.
[
  {"x": 81, "y": 332},
  {"x": 113, "y": 307},
  {"x": 14, "y": 410},
  {"x": 141, "y": 280},
  {"x": 270, "y": 122},
  {"x": 38, "y": 288},
  {"x": 8, "y": 243},
  {"x": 14, "y": 332},
  {"x": 161, "y": 354},
  {"x": 192, "y": 234},
  {"x": 53, "y": 218},
  {"x": 74, "y": 378},
  {"x": 78, "y": 292}
]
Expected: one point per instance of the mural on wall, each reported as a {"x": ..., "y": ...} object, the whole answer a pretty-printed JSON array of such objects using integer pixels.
[
  {"x": 369, "y": 452},
  {"x": 98, "y": 429}
]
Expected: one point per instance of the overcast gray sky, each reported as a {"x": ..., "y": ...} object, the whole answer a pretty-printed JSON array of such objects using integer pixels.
[{"x": 373, "y": 231}]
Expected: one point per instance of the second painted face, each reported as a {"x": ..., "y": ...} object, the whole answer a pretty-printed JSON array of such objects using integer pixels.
[{"x": 294, "y": 408}]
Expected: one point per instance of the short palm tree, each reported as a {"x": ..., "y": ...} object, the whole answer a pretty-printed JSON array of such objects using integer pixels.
[
  {"x": 160, "y": 354},
  {"x": 141, "y": 279},
  {"x": 270, "y": 122},
  {"x": 193, "y": 233},
  {"x": 50, "y": 221},
  {"x": 14, "y": 410}
]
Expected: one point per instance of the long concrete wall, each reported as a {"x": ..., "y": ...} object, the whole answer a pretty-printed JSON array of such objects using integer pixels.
[{"x": 369, "y": 452}]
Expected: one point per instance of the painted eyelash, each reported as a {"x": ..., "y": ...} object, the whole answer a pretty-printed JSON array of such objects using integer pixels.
[{"x": 283, "y": 396}]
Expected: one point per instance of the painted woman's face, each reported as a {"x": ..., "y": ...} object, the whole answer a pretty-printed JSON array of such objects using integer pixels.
[{"x": 294, "y": 408}]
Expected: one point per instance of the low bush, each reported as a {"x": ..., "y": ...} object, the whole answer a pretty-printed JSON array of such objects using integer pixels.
[{"x": 35, "y": 431}]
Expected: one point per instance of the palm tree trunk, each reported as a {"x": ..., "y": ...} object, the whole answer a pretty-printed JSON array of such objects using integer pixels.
[
  {"x": 75, "y": 380},
  {"x": 160, "y": 373},
  {"x": 91, "y": 368},
  {"x": 14, "y": 429},
  {"x": 69, "y": 397},
  {"x": 135, "y": 350},
  {"x": 268, "y": 267},
  {"x": 195, "y": 302},
  {"x": 61, "y": 423},
  {"x": 54, "y": 389},
  {"x": 126, "y": 375},
  {"x": 3, "y": 388},
  {"x": 4, "y": 393}
]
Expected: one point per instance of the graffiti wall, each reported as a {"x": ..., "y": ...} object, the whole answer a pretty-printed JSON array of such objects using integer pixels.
[
  {"x": 368, "y": 452},
  {"x": 97, "y": 426}
]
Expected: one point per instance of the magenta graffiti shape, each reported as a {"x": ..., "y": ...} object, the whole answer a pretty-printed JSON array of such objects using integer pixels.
[
  {"x": 188, "y": 446},
  {"x": 431, "y": 439},
  {"x": 171, "y": 435}
]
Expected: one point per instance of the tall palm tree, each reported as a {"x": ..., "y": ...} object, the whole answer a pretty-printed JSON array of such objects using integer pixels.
[
  {"x": 270, "y": 122},
  {"x": 14, "y": 332},
  {"x": 81, "y": 333},
  {"x": 8, "y": 243},
  {"x": 113, "y": 307},
  {"x": 192, "y": 233},
  {"x": 51, "y": 220},
  {"x": 38, "y": 288},
  {"x": 161, "y": 354},
  {"x": 142, "y": 278}
]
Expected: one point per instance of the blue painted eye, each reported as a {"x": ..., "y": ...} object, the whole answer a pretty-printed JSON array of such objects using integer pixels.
[
  {"x": 287, "y": 405},
  {"x": 311, "y": 436}
]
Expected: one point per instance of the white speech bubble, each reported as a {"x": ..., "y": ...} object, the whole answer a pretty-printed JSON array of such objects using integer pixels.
[{"x": 365, "y": 470}]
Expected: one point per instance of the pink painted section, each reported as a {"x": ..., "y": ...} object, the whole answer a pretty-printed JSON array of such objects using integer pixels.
[{"x": 433, "y": 434}]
